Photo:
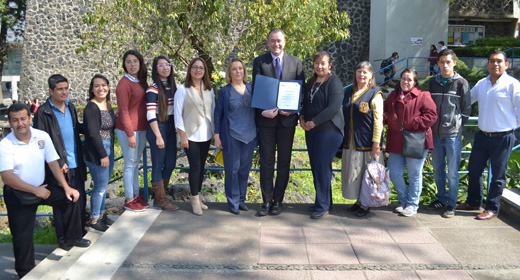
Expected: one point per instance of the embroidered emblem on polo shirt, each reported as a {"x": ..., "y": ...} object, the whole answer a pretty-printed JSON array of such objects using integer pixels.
[
  {"x": 363, "y": 107},
  {"x": 41, "y": 144}
]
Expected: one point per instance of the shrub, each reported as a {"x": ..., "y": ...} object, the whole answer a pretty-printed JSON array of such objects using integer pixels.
[{"x": 484, "y": 46}]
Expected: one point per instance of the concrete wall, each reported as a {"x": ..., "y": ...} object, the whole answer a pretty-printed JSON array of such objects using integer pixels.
[{"x": 394, "y": 22}]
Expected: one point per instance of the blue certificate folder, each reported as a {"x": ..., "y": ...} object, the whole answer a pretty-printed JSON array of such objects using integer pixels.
[{"x": 266, "y": 93}]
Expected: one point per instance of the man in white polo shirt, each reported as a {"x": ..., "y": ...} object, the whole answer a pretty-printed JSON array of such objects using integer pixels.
[
  {"x": 24, "y": 152},
  {"x": 498, "y": 97}
]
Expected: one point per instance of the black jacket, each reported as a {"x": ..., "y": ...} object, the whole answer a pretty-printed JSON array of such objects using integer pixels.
[
  {"x": 45, "y": 120},
  {"x": 292, "y": 70},
  {"x": 94, "y": 150}
]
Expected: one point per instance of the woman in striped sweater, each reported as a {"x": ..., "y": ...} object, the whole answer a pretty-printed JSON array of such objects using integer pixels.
[{"x": 161, "y": 129}]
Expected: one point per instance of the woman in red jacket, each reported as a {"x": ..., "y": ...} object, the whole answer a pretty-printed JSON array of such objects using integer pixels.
[{"x": 417, "y": 112}]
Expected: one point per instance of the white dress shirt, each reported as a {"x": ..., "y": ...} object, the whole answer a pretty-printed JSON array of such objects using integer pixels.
[{"x": 498, "y": 104}]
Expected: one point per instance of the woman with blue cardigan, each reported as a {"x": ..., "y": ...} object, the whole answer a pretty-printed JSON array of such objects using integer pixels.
[{"x": 235, "y": 133}]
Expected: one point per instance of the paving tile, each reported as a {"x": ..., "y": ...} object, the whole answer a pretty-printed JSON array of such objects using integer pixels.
[
  {"x": 368, "y": 235},
  {"x": 391, "y": 275},
  {"x": 411, "y": 235},
  {"x": 443, "y": 274},
  {"x": 337, "y": 275},
  {"x": 481, "y": 245},
  {"x": 427, "y": 254},
  {"x": 281, "y": 235},
  {"x": 506, "y": 274},
  {"x": 272, "y": 253},
  {"x": 378, "y": 217},
  {"x": 331, "y": 254},
  {"x": 325, "y": 235},
  {"x": 283, "y": 275},
  {"x": 368, "y": 253}
]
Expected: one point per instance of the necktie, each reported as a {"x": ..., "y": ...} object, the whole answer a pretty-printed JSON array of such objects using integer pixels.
[{"x": 278, "y": 67}]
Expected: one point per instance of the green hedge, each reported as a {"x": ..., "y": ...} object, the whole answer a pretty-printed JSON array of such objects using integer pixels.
[{"x": 484, "y": 46}]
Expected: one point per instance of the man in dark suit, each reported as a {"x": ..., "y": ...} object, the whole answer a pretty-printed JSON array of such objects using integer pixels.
[{"x": 275, "y": 127}]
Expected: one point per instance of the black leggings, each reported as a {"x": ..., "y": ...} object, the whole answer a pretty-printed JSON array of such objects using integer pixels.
[{"x": 197, "y": 154}]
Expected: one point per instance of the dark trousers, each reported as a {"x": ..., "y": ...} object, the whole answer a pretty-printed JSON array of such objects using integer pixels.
[
  {"x": 22, "y": 218},
  {"x": 74, "y": 181},
  {"x": 322, "y": 146},
  {"x": 497, "y": 150},
  {"x": 271, "y": 138},
  {"x": 237, "y": 165},
  {"x": 163, "y": 160},
  {"x": 197, "y": 154},
  {"x": 389, "y": 75}
]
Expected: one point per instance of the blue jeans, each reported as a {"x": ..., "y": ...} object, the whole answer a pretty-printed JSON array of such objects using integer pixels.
[
  {"x": 163, "y": 160},
  {"x": 132, "y": 157},
  {"x": 101, "y": 177},
  {"x": 408, "y": 195},
  {"x": 237, "y": 165},
  {"x": 447, "y": 150},
  {"x": 322, "y": 146},
  {"x": 497, "y": 150}
]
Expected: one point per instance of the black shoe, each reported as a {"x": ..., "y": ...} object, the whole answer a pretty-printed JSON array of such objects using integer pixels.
[
  {"x": 106, "y": 220},
  {"x": 235, "y": 211},
  {"x": 276, "y": 209},
  {"x": 436, "y": 205},
  {"x": 82, "y": 242},
  {"x": 264, "y": 210},
  {"x": 319, "y": 214},
  {"x": 99, "y": 225},
  {"x": 311, "y": 208},
  {"x": 362, "y": 212},
  {"x": 354, "y": 207},
  {"x": 242, "y": 206}
]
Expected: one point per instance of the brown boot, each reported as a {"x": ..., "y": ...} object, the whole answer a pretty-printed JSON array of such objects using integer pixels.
[
  {"x": 166, "y": 183},
  {"x": 160, "y": 199},
  {"x": 202, "y": 205},
  {"x": 195, "y": 205}
]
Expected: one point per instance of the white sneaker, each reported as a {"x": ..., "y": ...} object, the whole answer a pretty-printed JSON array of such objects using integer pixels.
[
  {"x": 399, "y": 209},
  {"x": 408, "y": 212}
]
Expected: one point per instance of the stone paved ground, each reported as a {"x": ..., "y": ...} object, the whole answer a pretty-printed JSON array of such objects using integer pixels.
[{"x": 220, "y": 245}]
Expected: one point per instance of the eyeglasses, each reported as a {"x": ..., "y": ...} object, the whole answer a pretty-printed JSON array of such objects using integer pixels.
[
  {"x": 200, "y": 68},
  {"x": 162, "y": 65}
]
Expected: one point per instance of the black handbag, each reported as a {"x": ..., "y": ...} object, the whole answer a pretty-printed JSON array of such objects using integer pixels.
[
  {"x": 25, "y": 198},
  {"x": 413, "y": 141}
]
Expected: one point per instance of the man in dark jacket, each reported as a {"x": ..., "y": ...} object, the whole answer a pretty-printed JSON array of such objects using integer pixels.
[
  {"x": 58, "y": 118},
  {"x": 451, "y": 94},
  {"x": 275, "y": 127}
]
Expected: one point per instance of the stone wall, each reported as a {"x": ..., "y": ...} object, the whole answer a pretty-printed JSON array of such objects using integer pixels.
[
  {"x": 50, "y": 44},
  {"x": 51, "y": 41},
  {"x": 482, "y": 9},
  {"x": 346, "y": 54}
]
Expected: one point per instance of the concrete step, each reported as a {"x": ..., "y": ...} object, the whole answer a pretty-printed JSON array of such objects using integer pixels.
[
  {"x": 106, "y": 254},
  {"x": 510, "y": 202}
]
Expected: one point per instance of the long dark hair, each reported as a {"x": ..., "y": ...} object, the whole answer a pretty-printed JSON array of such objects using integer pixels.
[
  {"x": 205, "y": 79},
  {"x": 163, "y": 100},
  {"x": 91, "y": 89},
  {"x": 371, "y": 83},
  {"x": 414, "y": 73},
  {"x": 142, "y": 74},
  {"x": 317, "y": 55}
]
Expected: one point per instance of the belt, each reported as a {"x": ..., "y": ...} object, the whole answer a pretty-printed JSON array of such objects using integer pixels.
[{"x": 497, "y": 134}]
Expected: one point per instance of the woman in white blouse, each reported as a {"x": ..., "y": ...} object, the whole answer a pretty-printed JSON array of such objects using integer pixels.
[{"x": 193, "y": 111}]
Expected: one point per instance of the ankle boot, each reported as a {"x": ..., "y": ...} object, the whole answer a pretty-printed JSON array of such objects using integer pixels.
[
  {"x": 160, "y": 199},
  {"x": 202, "y": 205},
  {"x": 195, "y": 205}
]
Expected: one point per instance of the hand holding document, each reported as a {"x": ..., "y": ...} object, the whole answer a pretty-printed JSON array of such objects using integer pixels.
[{"x": 270, "y": 93}]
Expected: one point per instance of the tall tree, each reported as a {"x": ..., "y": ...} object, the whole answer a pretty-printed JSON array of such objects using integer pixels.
[
  {"x": 12, "y": 17},
  {"x": 211, "y": 29}
]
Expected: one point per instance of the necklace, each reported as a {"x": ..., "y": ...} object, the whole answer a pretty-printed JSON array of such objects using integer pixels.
[{"x": 314, "y": 89}]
